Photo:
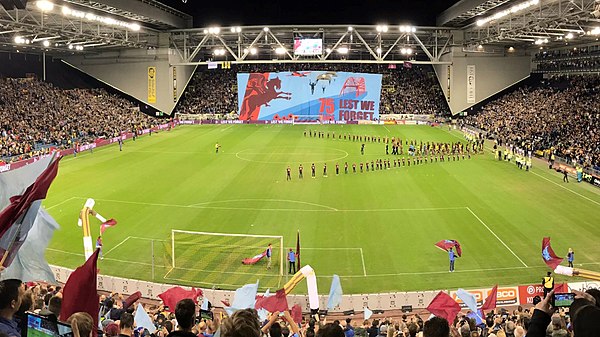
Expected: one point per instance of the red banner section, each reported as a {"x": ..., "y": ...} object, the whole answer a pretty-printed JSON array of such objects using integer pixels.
[{"x": 528, "y": 292}]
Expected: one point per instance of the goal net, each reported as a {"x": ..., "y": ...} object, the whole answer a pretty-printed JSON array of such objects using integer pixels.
[{"x": 214, "y": 254}]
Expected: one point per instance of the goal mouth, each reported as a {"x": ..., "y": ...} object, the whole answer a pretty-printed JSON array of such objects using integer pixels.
[{"x": 215, "y": 259}]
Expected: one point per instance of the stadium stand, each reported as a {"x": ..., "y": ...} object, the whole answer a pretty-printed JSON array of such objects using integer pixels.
[
  {"x": 45, "y": 300},
  {"x": 560, "y": 114},
  {"x": 576, "y": 60},
  {"x": 37, "y": 115},
  {"x": 405, "y": 90}
]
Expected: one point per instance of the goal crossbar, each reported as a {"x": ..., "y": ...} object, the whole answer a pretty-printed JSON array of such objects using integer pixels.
[{"x": 275, "y": 237}]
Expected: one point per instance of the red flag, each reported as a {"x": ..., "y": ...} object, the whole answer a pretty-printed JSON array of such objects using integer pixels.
[
  {"x": 447, "y": 244},
  {"x": 561, "y": 288},
  {"x": 255, "y": 258},
  {"x": 129, "y": 301},
  {"x": 176, "y": 294},
  {"x": 17, "y": 218},
  {"x": 107, "y": 224},
  {"x": 298, "y": 250},
  {"x": 548, "y": 254},
  {"x": 297, "y": 314},
  {"x": 80, "y": 294},
  {"x": 277, "y": 302},
  {"x": 444, "y": 306},
  {"x": 490, "y": 301}
]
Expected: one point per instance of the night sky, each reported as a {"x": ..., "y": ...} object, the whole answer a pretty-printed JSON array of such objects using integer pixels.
[{"x": 253, "y": 12}]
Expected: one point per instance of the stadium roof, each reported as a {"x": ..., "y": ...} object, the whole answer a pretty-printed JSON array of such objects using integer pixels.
[
  {"x": 532, "y": 23},
  {"x": 70, "y": 25},
  {"x": 340, "y": 43}
]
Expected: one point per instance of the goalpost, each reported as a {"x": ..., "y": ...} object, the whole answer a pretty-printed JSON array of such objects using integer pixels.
[{"x": 221, "y": 252}]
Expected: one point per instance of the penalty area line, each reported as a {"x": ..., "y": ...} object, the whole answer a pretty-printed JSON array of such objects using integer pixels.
[
  {"x": 118, "y": 245},
  {"x": 362, "y": 257},
  {"x": 497, "y": 237}
]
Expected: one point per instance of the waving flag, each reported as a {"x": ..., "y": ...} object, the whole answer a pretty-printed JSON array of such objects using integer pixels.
[
  {"x": 548, "y": 254},
  {"x": 80, "y": 294},
  {"x": 277, "y": 302},
  {"x": 18, "y": 217},
  {"x": 109, "y": 223},
  {"x": 468, "y": 299},
  {"x": 254, "y": 259},
  {"x": 142, "y": 319},
  {"x": 447, "y": 244},
  {"x": 176, "y": 294},
  {"x": 490, "y": 301},
  {"x": 30, "y": 262},
  {"x": 444, "y": 306},
  {"x": 335, "y": 293},
  {"x": 367, "y": 312}
]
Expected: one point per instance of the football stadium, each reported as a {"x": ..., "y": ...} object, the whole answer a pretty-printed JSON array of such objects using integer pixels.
[{"x": 409, "y": 170}]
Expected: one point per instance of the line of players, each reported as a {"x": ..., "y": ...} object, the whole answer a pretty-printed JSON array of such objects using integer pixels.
[
  {"x": 415, "y": 148},
  {"x": 380, "y": 164}
]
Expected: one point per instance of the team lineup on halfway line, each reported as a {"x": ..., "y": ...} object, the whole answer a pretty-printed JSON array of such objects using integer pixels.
[{"x": 419, "y": 152}]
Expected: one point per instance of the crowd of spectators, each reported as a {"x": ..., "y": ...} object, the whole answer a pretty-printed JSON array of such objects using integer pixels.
[
  {"x": 36, "y": 114},
  {"x": 575, "y": 60},
  {"x": 561, "y": 115},
  {"x": 404, "y": 90},
  {"x": 116, "y": 319}
]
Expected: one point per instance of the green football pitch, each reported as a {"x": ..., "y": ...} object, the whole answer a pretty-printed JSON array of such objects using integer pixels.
[{"x": 375, "y": 229}]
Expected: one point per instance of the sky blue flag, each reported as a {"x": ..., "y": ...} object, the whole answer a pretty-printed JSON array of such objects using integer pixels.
[
  {"x": 30, "y": 262},
  {"x": 142, "y": 319},
  {"x": 244, "y": 297},
  {"x": 468, "y": 299},
  {"x": 335, "y": 293},
  {"x": 368, "y": 313},
  {"x": 262, "y": 314},
  {"x": 476, "y": 317},
  {"x": 204, "y": 305}
]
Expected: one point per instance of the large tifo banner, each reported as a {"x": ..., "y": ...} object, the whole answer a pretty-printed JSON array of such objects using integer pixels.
[{"x": 309, "y": 95}]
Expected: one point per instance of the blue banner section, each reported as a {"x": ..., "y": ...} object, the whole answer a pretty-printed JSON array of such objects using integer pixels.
[{"x": 309, "y": 95}]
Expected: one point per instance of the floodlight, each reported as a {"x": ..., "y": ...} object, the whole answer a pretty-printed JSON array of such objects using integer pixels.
[{"x": 44, "y": 5}]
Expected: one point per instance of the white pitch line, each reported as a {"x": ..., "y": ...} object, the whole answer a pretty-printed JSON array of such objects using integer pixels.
[
  {"x": 388, "y": 130},
  {"x": 118, "y": 245},
  {"x": 60, "y": 203},
  {"x": 362, "y": 257},
  {"x": 557, "y": 184},
  {"x": 434, "y": 272},
  {"x": 227, "y": 128},
  {"x": 277, "y": 200},
  {"x": 322, "y": 276},
  {"x": 494, "y": 234},
  {"x": 279, "y": 209},
  {"x": 568, "y": 189}
]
